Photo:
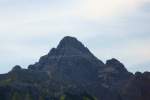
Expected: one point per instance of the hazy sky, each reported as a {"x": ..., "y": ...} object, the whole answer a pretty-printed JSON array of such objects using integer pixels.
[{"x": 109, "y": 28}]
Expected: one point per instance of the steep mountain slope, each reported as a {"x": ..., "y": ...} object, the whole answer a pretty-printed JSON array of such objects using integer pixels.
[
  {"x": 71, "y": 72},
  {"x": 70, "y": 60}
]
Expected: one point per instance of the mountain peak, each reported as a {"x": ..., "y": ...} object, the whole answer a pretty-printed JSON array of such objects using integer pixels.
[
  {"x": 16, "y": 68},
  {"x": 69, "y": 38},
  {"x": 68, "y": 42},
  {"x": 70, "y": 46},
  {"x": 69, "y": 52},
  {"x": 112, "y": 61},
  {"x": 116, "y": 64}
]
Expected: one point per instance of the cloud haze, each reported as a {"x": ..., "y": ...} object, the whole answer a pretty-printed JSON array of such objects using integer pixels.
[{"x": 110, "y": 28}]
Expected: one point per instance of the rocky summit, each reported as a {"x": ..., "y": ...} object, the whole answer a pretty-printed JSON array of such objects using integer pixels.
[{"x": 71, "y": 72}]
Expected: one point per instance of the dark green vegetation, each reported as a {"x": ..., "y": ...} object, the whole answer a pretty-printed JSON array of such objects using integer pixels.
[{"x": 72, "y": 72}]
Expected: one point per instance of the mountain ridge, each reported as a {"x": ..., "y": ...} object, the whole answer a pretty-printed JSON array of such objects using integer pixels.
[{"x": 71, "y": 72}]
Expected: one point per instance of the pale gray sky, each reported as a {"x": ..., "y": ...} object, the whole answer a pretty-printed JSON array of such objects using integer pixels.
[{"x": 109, "y": 28}]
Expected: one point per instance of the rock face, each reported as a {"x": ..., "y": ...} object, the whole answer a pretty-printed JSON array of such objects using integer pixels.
[{"x": 71, "y": 72}]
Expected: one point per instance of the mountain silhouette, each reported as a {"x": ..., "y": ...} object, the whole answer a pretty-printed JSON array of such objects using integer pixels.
[{"x": 71, "y": 72}]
